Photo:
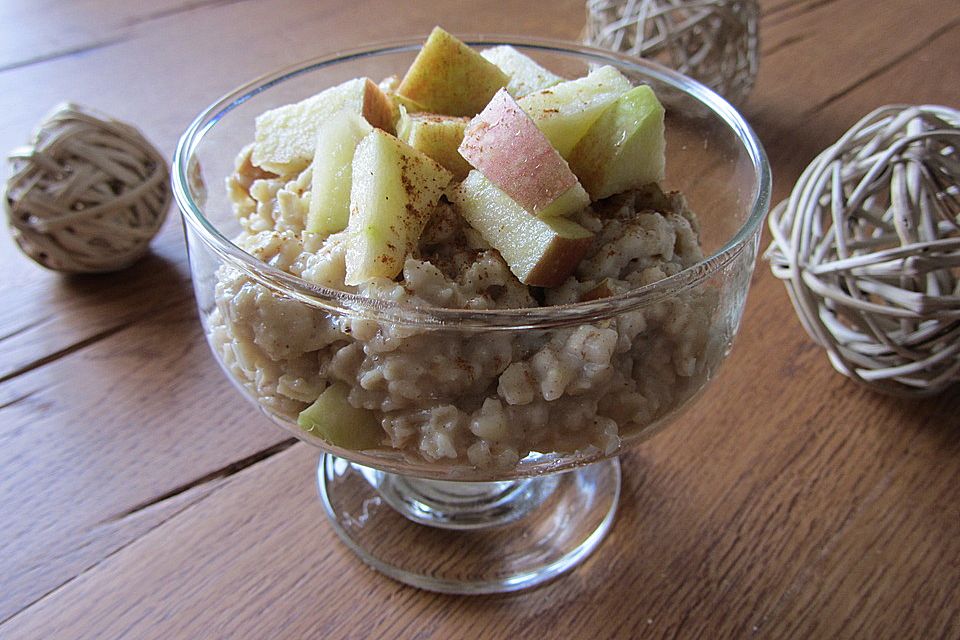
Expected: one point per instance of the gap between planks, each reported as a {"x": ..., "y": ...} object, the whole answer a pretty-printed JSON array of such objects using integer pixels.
[
  {"x": 54, "y": 56},
  {"x": 221, "y": 473},
  {"x": 785, "y": 43},
  {"x": 77, "y": 346},
  {"x": 887, "y": 66},
  {"x": 220, "y": 477},
  {"x": 84, "y": 342},
  {"x": 64, "y": 53},
  {"x": 771, "y": 14},
  {"x": 93, "y": 566}
]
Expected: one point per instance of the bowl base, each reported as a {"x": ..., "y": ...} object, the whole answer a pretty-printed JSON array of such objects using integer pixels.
[{"x": 470, "y": 537}]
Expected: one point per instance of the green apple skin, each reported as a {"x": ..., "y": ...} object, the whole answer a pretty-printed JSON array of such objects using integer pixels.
[
  {"x": 450, "y": 78},
  {"x": 334, "y": 419},
  {"x": 394, "y": 192},
  {"x": 625, "y": 148},
  {"x": 541, "y": 252},
  {"x": 285, "y": 137},
  {"x": 337, "y": 140},
  {"x": 564, "y": 112}
]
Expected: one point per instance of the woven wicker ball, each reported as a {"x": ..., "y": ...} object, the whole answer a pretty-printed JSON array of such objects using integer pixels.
[
  {"x": 713, "y": 41},
  {"x": 88, "y": 194},
  {"x": 868, "y": 245}
]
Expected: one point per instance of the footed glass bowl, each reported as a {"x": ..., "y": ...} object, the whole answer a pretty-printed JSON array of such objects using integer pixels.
[{"x": 474, "y": 450}]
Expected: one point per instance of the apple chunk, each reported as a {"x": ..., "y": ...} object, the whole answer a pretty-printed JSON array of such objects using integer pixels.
[
  {"x": 334, "y": 419},
  {"x": 565, "y": 111},
  {"x": 505, "y": 145},
  {"x": 541, "y": 252},
  {"x": 526, "y": 76},
  {"x": 285, "y": 137},
  {"x": 389, "y": 87},
  {"x": 394, "y": 192},
  {"x": 337, "y": 140},
  {"x": 624, "y": 148},
  {"x": 450, "y": 78},
  {"x": 437, "y": 136}
]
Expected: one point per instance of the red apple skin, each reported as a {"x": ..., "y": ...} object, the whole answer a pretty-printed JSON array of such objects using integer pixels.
[{"x": 506, "y": 146}]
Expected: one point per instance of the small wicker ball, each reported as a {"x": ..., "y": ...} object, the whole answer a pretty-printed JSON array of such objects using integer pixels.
[
  {"x": 713, "y": 41},
  {"x": 868, "y": 245},
  {"x": 88, "y": 194}
]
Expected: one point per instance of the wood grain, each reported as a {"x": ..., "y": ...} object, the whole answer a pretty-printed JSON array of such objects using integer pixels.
[
  {"x": 49, "y": 30},
  {"x": 87, "y": 453},
  {"x": 140, "y": 497}
]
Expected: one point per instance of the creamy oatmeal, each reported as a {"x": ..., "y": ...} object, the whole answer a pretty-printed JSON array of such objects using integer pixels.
[
  {"x": 477, "y": 181},
  {"x": 485, "y": 399}
]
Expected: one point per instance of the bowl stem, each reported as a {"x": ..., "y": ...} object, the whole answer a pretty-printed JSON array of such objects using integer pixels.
[{"x": 470, "y": 537}]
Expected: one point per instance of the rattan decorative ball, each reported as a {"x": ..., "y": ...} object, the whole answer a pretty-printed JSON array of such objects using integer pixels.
[
  {"x": 88, "y": 194},
  {"x": 868, "y": 245},
  {"x": 713, "y": 41}
]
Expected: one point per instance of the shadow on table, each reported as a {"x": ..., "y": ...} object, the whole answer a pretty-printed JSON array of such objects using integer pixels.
[
  {"x": 936, "y": 417},
  {"x": 151, "y": 276},
  {"x": 655, "y": 534}
]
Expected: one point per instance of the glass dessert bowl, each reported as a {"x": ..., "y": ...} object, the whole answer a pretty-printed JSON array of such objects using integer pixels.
[{"x": 470, "y": 425}]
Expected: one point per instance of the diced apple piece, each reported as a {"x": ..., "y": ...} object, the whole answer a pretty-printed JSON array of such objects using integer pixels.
[
  {"x": 505, "y": 145},
  {"x": 624, "y": 148},
  {"x": 285, "y": 137},
  {"x": 565, "y": 111},
  {"x": 541, "y": 252},
  {"x": 389, "y": 87},
  {"x": 395, "y": 190},
  {"x": 407, "y": 103},
  {"x": 337, "y": 140},
  {"x": 526, "y": 76},
  {"x": 450, "y": 78},
  {"x": 437, "y": 136},
  {"x": 389, "y": 84},
  {"x": 334, "y": 419}
]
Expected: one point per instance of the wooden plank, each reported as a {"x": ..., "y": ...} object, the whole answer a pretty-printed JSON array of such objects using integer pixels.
[
  {"x": 698, "y": 553},
  {"x": 103, "y": 445},
  {"x": 50, "y": 29},
  {"x": 818, "y": 52},
  {"x": 68, "y": 312}
]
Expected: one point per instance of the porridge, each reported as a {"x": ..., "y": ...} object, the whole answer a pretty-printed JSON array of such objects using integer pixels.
[{"x": 485, "y": 399}]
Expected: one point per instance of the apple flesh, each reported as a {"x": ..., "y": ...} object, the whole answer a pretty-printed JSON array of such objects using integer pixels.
[
  {"x": 285, "y": 137},
  {"x": 334, "y": 419},
  {"x": 437, "y": 136},
  {"x": 450, "y": 78},
  {"x": 624, "y": 148},
  {"x": 541, "y": 252},
  {"x": 564, "y": 112},
  {"x": 394, "y": 192},
  {"x": 337, "y": 140},
  {"x": 525, "y": 75},
  {"x": 505, "y": 145},
  {"x": 389, "y": 87}
]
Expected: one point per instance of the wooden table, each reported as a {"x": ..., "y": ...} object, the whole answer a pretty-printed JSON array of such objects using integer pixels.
[{"x": 141, "y": 497}]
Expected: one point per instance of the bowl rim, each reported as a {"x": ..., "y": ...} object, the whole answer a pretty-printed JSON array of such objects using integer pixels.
[{"x": 406, "y": 314}]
